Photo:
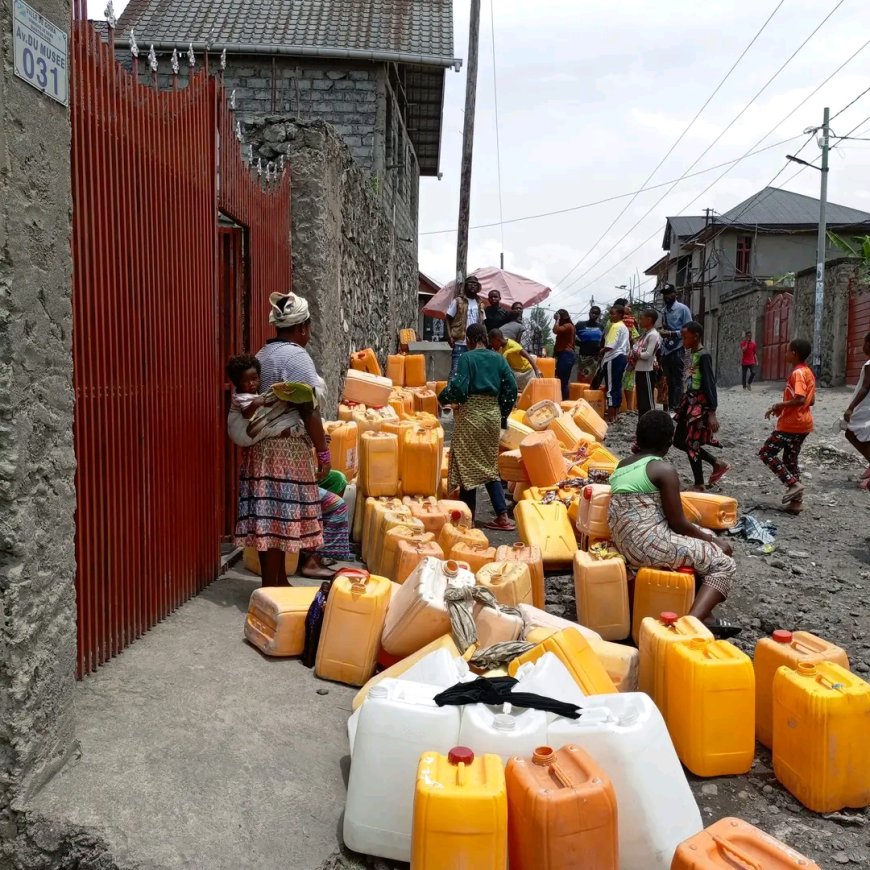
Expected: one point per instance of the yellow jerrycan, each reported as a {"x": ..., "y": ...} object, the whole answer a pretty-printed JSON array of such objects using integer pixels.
[
  {"x": 412, "y": 532},
  {"x": 379, "y": 555},
  {"x": 547, "y": 527},
  {"x": 717, "y": 512},
  {"x": 589, "y": 420},
  {"x": 344, "y": 446},
  {"x": 458, "y": 530},
  {"x": 276, "y": 619},
  {"x": 659, "y": 591},
  {"x": 546, "y": 366},
  {"x": 542, "y": 458},
  {"x": 595, "y": 399},
  {"x": 427, "y": 510},
  {"x": 601, "y": 593},
  {"x": 509, "y": 582},
  {"x": 379, "y": 464},
  {"x": 540, "y": 390},
  {"x": 569, "y": 434},
  {"x": 375, "y": 507},
  {"x": 421, "y": 462},
  {"x": 396, "y": 369},
  {"x": 474, "y": 555},
  {"x": 410, "y": 553},
  {"x": 365, "y": 360},
  {"x": 531, "y": 556},
  {"x": 415, "y": 370}
]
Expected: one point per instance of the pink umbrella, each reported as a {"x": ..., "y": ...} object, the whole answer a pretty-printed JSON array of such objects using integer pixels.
[{"x": 513, "y": 288}]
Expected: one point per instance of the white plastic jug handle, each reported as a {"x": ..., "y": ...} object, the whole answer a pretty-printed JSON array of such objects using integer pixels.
[{"x": 725, "y": 846}]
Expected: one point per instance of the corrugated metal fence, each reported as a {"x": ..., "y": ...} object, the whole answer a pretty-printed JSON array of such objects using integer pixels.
[{"x": 148, "y": 339}]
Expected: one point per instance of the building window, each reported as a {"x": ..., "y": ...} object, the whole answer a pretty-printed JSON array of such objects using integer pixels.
[
  {"x": 744, "y": 255},
  {"x": 684, "y": 271}
]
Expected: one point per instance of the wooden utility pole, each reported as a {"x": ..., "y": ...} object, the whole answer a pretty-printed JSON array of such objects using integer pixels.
[{"x": 468, "y": 143}]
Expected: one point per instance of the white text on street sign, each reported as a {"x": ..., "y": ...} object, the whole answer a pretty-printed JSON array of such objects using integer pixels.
[{"x": 40, "y": 52}]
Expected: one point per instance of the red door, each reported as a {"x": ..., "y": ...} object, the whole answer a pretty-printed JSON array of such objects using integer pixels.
[
  {"x": 859, "y": 326},
  {"x": 777, "y": 329},
  {"x": 233, "y": 309}
]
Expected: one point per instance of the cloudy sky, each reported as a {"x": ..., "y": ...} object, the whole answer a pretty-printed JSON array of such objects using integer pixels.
[{"x": 591, "y": 96}]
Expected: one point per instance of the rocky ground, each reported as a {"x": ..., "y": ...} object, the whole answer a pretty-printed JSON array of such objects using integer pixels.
[{"x": 816, "y": 578}]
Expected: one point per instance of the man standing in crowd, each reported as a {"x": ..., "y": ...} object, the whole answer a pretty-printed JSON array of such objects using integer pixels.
[
  {"x": 749, "y": 360},
  {"x": 674, "y": 317},
  {"x": 589, "y": 337},
  {"x": 495, "y": 314},
  {"x": 464, "y": 310}
]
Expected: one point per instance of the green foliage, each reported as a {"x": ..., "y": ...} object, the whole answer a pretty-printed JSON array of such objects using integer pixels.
[{"x": 856, "y": 246}]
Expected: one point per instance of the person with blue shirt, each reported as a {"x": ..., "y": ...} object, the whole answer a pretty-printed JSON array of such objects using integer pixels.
[{"x": 674, "y": 317}]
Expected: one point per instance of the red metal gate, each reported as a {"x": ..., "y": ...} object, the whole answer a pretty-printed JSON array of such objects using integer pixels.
[
  {"x": 859, "y": 326},
  {"x": 148, "y": 378},
  {"x": 777, "y": 332}
]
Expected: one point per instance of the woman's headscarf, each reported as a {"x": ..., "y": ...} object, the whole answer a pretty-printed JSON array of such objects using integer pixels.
[{"x": 288, "y": 309}]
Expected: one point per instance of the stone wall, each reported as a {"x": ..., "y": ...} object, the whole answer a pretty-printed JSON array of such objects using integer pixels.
[
  {"x": 350, "y": 260},
  {"x": 738, "y": 312},
  {"x": 840, "y": 275},
  {"x": 37, "y": 463}
]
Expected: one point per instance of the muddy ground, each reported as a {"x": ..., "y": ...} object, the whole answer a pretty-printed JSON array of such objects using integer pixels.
[{"x": 817, "y": 579}]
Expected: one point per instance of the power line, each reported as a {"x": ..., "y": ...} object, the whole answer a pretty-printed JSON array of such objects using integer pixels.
[
  {"x": 497, "y": 140},
  {"x": 613, "y": 198},
  {"x": 675, "y": 144}
]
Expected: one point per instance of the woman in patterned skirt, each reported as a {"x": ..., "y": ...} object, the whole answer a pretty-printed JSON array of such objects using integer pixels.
[
  {"x": 650, "y": 530},
  {"x": 484, "y": 391},
  {"x": 279, "y": 499}
]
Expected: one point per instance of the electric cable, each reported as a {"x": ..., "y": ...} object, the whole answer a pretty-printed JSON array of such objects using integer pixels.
[{"x": 497, "y": 138}]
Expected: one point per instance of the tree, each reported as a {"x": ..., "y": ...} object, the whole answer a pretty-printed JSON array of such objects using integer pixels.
[{"x": 539, "y": 333}]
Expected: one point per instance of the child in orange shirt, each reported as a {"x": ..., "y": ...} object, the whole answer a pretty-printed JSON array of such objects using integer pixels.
[{"x": 794, "y": 422}]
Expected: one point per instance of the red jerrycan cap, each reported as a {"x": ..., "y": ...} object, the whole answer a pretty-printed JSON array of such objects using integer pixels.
[
  {"x": 587, "y": 493},
  {"x": 668, "y": 617},
  {"x": 686, "y": 570},
  {"x": 782, "y": 636},
  {"x": 460, "y": 755}
]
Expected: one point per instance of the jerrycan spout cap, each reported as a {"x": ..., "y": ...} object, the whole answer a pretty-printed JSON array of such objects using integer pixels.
[
  {"x": 543, "y": 756},
  {"x": 806, "y": 669},
  {"x": 782, "y": 636},
  {"x": 698, "y": 642},
  {"x": 668, "y": 617},
  {"x": 455, "y": 515},
  {"x": 460, "y": 755},
  {"x": 451, "y": 567}
]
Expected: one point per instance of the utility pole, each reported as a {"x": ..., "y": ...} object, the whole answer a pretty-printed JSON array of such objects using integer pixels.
[
  {"x": 468, "y": 143},
  {"x": 820, "y": 256}
]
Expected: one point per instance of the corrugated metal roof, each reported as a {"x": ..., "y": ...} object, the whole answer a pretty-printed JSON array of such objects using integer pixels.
[
  {"x": 776, "y": 207},
  {"x": 419, "y": 30},
  {"x": 682, "y": 226}
]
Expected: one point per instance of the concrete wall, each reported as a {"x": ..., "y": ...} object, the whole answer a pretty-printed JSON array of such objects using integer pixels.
[
  {"x": 350, "y": 260},
  {"x": 738, "y": 313},
  {"x": 37, "y": 463}
]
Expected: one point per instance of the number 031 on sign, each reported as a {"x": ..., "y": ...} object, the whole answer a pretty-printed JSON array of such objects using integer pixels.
[{"x": 40, "y": 52}]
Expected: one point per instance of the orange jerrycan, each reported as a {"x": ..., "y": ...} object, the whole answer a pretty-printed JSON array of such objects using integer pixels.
[
  {"x": 379, "y": 464},
  {"x": 390, "y": 551},
  {"x": 576, "y": 390},
  {"x": 531, "y": 556},
  {"x": 367, "y": 389},
  {"x": 458, "y": 530},
  {"x": 460, "y": 812},
  {"x": 352, "y": 624},
  {"x": 542, "y": 458},
  {"x": 365, "y": 360},
  {"x": 426, "y": 510},
  {"x": 546, "y": 366},
  {"x": 344, "y": 447},
  {"x": 561, "y": 812},
  {"x": 379, "y": 552},
  {"x": 592, "y": 521},
  {"x": 346, "y": 409},
  {"x": 411, "y": 552},
  {"x": 539, "y": 390},
  {"x": 276, "y": 619},
  {"x": 658, "y": 591},
  {"x": 454, "y": 506},
  {"x": 511, "y": 466},
  {"x": 425, "y": 401},
  {"x": 367, "y": 420},
  {"x": 567, "y": 432},
  {"x": 374, "y": 508},
  {"x": 589, "y": 420},
  {"x": 821, "y": 751},
  {"x": 717, "y": 512},
  {"x": 541, "y": 414},
  {"x": 601, "y": 592},
  {"x": 596, "y": 400},
  {"x": 383, "y": 519},
  {"x": 474, "y": 555},
  {"x": 396, "y": 369},
  {"x": 509, "y": 582},
  {"x": 546, "y": 526},
  {"x": 789, "y": 649},
  {"x": 574, "y": 651},
  {"x": 415, "y": 370},
  {"x": 711, "y": 706},
  {"x": 251, "y": 560},
  {"x": 656, "y": 636},
  {"x": 732, "y": 843},
  {"x": 421, "y": 462}
]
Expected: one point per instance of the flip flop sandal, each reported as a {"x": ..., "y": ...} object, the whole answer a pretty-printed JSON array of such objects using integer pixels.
[
  {"x": 716, "y": 476},
  {"x": 500, "y": 527},
  {"x": 866, "y": 474},
  {"x": 796, "y": 495},
  {"x": 722, "y": 629}
]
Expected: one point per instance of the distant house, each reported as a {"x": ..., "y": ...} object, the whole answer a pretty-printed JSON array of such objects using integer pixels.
[{"x": 374, "y": 70}]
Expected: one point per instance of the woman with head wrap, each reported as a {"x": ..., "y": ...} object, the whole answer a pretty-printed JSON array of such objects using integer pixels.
[{"x": 279, "y": 499}]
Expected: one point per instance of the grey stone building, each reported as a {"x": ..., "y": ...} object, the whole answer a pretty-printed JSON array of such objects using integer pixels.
[
  {"x": 715, "y": 260},
  {"x": 375, "y": 71}
]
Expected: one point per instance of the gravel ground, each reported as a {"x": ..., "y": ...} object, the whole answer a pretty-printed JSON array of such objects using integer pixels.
[{"x": 816, "y": 579}]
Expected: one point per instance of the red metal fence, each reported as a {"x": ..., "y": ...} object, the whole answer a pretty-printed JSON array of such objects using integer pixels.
[
  {"x": 777, "y": 334},
  {"x": 148, "y": 372}
]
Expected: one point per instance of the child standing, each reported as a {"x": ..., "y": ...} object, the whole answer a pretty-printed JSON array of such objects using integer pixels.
[
  {"x": 617, "y": 344},
  {"x": 695, "y": 418},
  {"x": 794, "y": 422},
  {"x": 857, "y": 416},
  {"x": 643, "y": 361}
]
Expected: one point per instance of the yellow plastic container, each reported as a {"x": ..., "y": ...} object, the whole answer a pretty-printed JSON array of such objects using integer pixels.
[
  {"x": 531, "y": 556},
  {"x": 514, "y": 434},
  {"x": 452, "y": 507},
  {"x": 620, "y": 661},
  {"x": 276, "y": 619},
  {"x": 474, "y": 555},
  {"x": 365, "y": 360},
  {"x": 460, "y": 812},
  {"x": 511, "y": 466},
  {"x": 410, "y": 552},
  {"x": 789, "y": 649},
  {"x": 657, "y": 635},
  {"x": 367, "y": 420},
  {"x": 396, "y": 369},
  {"x": 821, "y": 726},
  {"x": 592, "y": 521},
  {"x": 717, "y": 511},
  {"x": 415, "y": 370},
  {"x": 399, "y": 428},
  {"x": 542, "y": 458},
  {"x": 657, "y": 592},
  {"x": 352, "y": 626},
  {"x": 601, "y": 593},
  {"x": 541, "y": 414},
  {"x": 509, "y": 582},
  {"x": 576, "y": 390},
  {"x": 711, "y": 706},
  {"x": 374, "y": 509},
  {"x": 251, "y": 561},
  {"x": 568, "y": 433},
  {"x": 406, "y": 336},
  {"x": 540, "y": 390},
  {"x": 589, "y": 420},
  {"x": 426, "y": 402},
  {"x": 603, "y": 456},
  {"x": 574, "y": 651},
  {"x": 379, "y": 464},
  {"x": 378, "y": 555},
  {"x": 344, "y": 447},
  {"x": 397, "y": 403},
  {"x": 596, "y": 401},
  {"x": 421, "y": 462},
  {"x": 346, "y": 409},
  {"x": 368, "y": 389},
  {"x": 390, "y": 550},
  {"x": 546, "y": 526},
  {"x": 458, "y": 531},
  {"x": 546, "y": 366}
]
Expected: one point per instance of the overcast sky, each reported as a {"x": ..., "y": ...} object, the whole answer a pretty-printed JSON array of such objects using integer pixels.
[{"x": 591, "y": 96}]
